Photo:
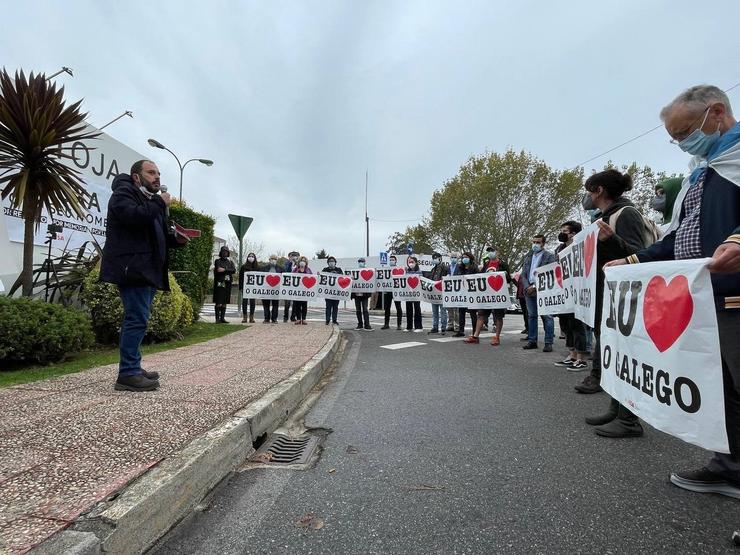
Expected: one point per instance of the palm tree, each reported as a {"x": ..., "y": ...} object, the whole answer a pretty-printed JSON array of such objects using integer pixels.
[{"x": 35, "y": 125}]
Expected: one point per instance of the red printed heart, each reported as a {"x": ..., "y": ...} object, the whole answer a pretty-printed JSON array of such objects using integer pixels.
[
  {"x": 438, "y": 285},
  {"x": 495, "y": 282},
  {"x": 667, "y": 310},
  {"x": 398, "y": 271},
  {"x": 367, "y": 275},
  {"x": 589, "y": 249},
  {"x": 272, "y": 280},
  {"x": 308, "y": 281},
  {"x": 413, "y": 282},
  {"x": 559, "y": 276},
  {"x": 344, "y": 282}
]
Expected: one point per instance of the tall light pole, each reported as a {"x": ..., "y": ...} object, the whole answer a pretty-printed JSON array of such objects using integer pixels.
[
  {"x": 204, "y": 161},
  {"x": 367, "y": 222}
]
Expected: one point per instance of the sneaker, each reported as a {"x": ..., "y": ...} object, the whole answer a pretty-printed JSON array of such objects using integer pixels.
[
  {"x": 566, "y": 362},
  {"x": 407, "y": 329},
  {"x": 418, "y": 330},
  {"x": 359, "y": 327},
  {"x": 561, "y": 336},
  {"x": 135, "y": 383},
  {"x": 368, "y": 328},
  {"x": 547, "y": 348},
  {"x": 274, "y": 321},
  {"x": 619, "y": 428},
  {"x": 524, "y": 332},
  {"x": 589, "y": 385},
  {"x": 578, "y": 366},
  {"x": 150, "y": 375},
  {"x": 530, "y": 345},
  {"x": 705, "y": 481},
  {"x": 433, "y": 330}
]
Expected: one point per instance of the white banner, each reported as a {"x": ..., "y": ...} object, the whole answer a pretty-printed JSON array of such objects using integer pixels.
[
  {"x": 578, "y": 262},
  {"x": 261, "y": 285},
  {"x": 552, "y": 295},
  {"x": 334, "y": 286},
  {"x": 454, "y": 293},
  {"x": 384, "y": 278},
  {"x": 363, "y": 280},
  {"x": 660, "y": 349},
  {"x": 298, "y": 287},
  {"x": 431, "y": 291},
  {"x": 476, "y": 291},
  {"x": 407, "y": 288}
]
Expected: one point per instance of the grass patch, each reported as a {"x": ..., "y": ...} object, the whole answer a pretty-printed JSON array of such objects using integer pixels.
[{"x": 197, "y": 333}]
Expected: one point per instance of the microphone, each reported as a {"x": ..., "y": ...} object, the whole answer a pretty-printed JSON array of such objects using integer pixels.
[{"x": 163, "y": 189}]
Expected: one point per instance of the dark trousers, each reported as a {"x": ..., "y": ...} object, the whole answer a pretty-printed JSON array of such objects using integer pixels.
[
  {"x": 575, "y": 333},
  {"x": 413, "y": 315},
  {"x": 332, "y": 310},
  {"x": 271, "y": 308},
  {"x": 387, "y": 301},
  {"x": 363, "y": 316},
  {"x": 525, "y": 314},
  {"x": 137, "y": 306},
  {"x": 461, "y": 319},
  {"x": 286, "y": 309},
  {"x": 301, "y": 310},
  {"x": 248, "y": 303}
]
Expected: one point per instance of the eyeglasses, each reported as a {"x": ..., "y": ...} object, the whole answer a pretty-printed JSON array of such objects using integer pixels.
[{"x": 690, "y": 129}]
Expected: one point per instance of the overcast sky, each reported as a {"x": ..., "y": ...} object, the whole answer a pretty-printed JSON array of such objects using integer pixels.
[{"x": 294, "y": 100}]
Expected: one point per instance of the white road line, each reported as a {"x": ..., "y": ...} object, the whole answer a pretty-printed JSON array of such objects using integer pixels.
[{"x": 395, "y": 346}]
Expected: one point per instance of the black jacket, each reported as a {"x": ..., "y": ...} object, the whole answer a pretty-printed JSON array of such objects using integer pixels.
[
  {"x": 247, "y": 267},
  {"x": 137, "y": 238},
  {"x": 439, "y": 271},
  {"x": 334, "y": 270}
]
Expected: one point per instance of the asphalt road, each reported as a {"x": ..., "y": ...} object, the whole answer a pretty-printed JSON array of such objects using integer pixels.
[{"x": 455, "y": 448}]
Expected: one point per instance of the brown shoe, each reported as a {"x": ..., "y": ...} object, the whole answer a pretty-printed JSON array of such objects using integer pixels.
[
  {"x": 471, "y": 339},
  {"x": 495, "y": 341}
]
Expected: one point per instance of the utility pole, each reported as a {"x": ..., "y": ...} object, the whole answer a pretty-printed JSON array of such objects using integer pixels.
[{"x": 367, "y": 222}]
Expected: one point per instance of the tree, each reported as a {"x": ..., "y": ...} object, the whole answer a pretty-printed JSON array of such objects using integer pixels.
[
  {"x": 417, "y": 235},
  {"x": 258, "y": 248},
  {"x": 322, "y": 254},
  {"x": 35, "y": 126},
  {"x": 644, "y": 180}
]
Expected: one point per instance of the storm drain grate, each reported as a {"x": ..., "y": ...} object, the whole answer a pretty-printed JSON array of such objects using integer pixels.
[{"x": 284, "y": 450}]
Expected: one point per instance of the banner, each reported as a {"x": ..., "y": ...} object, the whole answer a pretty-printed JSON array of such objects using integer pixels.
[
  {"x": 384, "y": 278},
  {"x": 552, "y": 295},
  {"x": 334, "y": 286},
  {"x": 578, "y": 262},
  {"x": 363, "y": 280},
  {"x": 298, "y": 287},
  {"x": 660, "y": 349},
  {"x": 476, "y": 291},
  {"x": 431, "y": 291},
  {"x": 261, "y": 285},
  {"x": 407, "y": 288}
]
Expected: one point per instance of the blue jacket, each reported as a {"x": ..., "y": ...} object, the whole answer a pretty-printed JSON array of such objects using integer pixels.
[{"x": 547, "y": 258}]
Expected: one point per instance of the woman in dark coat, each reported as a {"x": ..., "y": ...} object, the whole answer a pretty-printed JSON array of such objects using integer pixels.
[
  {"x": 223, "y": 269},
  {"x": 332, "y": 305},
  {"x": 467, "y": 266},
  {"x": 250, "y": 265}
]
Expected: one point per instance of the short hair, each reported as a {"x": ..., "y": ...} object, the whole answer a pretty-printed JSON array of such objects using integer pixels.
[
  {"x": 540, "y": 236},
  {"x": 331, "y": 258},
  {"x": 393, "y": 256},
  {"x": 138, "y": 166},
  {"x": 698, "y": 98},
  {"x": 614, "y": 182},
  {"x": 573, "y": 225}
]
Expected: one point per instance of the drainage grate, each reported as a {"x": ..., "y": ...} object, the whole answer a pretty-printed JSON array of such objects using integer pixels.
[{"x": 280, "y": 450}]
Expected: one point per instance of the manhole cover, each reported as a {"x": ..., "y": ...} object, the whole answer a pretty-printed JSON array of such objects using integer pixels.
[{"x": 280, "y": 450}]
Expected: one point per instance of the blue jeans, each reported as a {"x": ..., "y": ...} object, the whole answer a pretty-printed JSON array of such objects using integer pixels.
[
  {"x": 436, "y": 309},
  {"x": 548, "y": 322},
  {"x": 137, "y": 305}
]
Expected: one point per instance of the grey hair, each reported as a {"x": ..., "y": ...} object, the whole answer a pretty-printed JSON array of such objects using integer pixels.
[{"x": 699, "y": 97}]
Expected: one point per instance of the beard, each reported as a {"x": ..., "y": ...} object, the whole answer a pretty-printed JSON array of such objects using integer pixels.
[{"x": 151, "y": 186}]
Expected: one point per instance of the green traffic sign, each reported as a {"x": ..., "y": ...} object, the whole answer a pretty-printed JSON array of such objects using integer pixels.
[{"x": 240, "y": 224}]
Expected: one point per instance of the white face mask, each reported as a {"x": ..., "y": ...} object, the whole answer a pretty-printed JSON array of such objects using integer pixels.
[
  {"x": 302, "y": 264},
  {"x": 273, "y": 262},
  {"x": 250, "y": 258},
  {"x": 393, "y": 262},
  {"x": 332, "y": 264}
]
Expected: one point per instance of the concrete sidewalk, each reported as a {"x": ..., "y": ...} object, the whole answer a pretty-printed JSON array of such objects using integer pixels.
[{"x": 70, "y": 442}]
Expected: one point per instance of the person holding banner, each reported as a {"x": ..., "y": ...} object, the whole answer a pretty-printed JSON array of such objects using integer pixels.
[
  {"x": 413, "y": 308},
  {"x": 301, "y": 307},
  {"x": 290, "y": 265},
  {"x": 498, "y": 313},
  {"x": 467, "y": 266},
  {"x": 438, "y": 272},
  {"x": 251, "y": 265},
  {"x": 223, "y": 269},
  {"x": 271, "y": 306},
  {"x": 538, "y": 256},
  {"x": 388, "y": 300},
  {"x": 706, "y": 222},
  {"x": 452, "y": 313},
  {"x": 361, "y": 300},
  {"x": 332, "y": 305}
]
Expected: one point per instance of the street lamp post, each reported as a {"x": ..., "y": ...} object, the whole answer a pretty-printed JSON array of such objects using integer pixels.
[{"x": 205, "y": 162}]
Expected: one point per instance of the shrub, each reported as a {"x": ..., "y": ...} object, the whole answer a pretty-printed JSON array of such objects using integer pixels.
[
  {"x": 41, "y": 332},
  {"x": 192, "y": 264},
  {"x": 171, "y": 312}
]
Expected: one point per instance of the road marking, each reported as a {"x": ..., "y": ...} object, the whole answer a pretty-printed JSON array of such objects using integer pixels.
[{"x": 395, "y": 346}]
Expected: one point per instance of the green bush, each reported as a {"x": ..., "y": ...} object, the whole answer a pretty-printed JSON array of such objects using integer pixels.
[
  {"x": 42, "y": 332},
  {"x": 192, "y": 264},
  {"x": 171, "y": 312}
]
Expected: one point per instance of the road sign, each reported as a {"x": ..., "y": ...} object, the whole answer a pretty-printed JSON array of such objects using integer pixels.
[
  {"x": 410, "y": 248},
  {"x": 383, "y": 258},
  {"x": 240, "y": 224}
]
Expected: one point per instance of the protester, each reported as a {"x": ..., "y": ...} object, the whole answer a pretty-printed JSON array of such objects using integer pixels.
[
  {"x": 135, "y": 258},
  {"x": 522, "y": 300},
  {"x": 535, "y": 258},
  {"x": 223, "y": 270},
  {"x": 332, "y": 305},
  {"x": 361, "y": 300},
  {"x": 388, "y": 300},
  {"x": 492, "y": 263},
  {"x": 290, "y": 265},
  {"x": 413, "y": 308},
  {"x": 706, "y": 222},
  {"x": 439, "y": 270},
  {"x": 453, "y": 313},
  {"x": 301, "y": 307},
  {"x": 271, "y": 306},
  {"x": 251, "y": 265},
  {"x": 666, "y": 193},
  {"x": 466, "y": 267}
]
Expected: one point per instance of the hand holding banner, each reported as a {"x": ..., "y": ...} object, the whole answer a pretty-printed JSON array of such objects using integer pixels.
[
  {"x": 261, "y": 285},
  {"x": 364, "y": 280},
  {"x": 579, "y": 264}
]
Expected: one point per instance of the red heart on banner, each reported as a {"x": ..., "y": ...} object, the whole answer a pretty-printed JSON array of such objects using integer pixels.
[
  {"x": 413, "y": 282},
  {"x": 496, "y": 282},
  {"x": 559, "y": 275},
  {"x": 438, "y": 285},
  {"x": 667, "y": 310},
  {"x": 272, "y": 280},
  {"x": 344, "y": 282},
  {"x": 308, "y": 281},
  {"x": 367, "y": 275},
  {"x": 589, "y": 249},
  {"x": 398, "y": 271}
]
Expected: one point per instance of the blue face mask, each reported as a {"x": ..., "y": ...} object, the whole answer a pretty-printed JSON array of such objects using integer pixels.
[
  {"x": 453, "y": 260},
  {"x": 699, "y": 143},
  {"x": 360, "y": 264},
  {"x": 465, "y": 260},
  {"x": 536, "y": 247}
]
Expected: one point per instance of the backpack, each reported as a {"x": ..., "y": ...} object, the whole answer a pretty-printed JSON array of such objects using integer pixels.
[{"x": 651, "y": 232}]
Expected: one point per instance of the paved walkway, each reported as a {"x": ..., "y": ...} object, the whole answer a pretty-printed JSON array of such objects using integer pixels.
[{"x": 69, "y": 442}]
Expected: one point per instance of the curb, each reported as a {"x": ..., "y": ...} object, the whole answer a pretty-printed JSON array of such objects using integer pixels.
[{"x": 149, "y": 507}]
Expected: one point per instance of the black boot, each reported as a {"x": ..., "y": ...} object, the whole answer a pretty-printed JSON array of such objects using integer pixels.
[
  {"x": 605, "y": 418},
  {"x": 625, "y": 424}
]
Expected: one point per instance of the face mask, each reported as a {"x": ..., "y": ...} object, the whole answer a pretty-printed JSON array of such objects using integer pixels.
[
  {"x": 302, "y": 264},
  {"x": 536, "y": 247},
  {"x": 453, "y": 260},
  {"x": 393, "y": 262},
  {"x": 658, "y": 203},
  {"x": 466, "y": 260},
  {"x": 563, "y": 237},
  {"x": 250, "y": 259},
  {"x": 587, "y": 202},
  {"x": 436, "y": 261},
  {"x": 294, "y": 258},
  {"x": 361, "y": 264},
  {"x": 410, "y": 264},
  {"x": 273, "y": 262},
  {"x": 699, "y": 143},
  {"x": 491, "y": 254},
  {"x": 332, "y": 264},
  {"x": 593, "y": 212}
]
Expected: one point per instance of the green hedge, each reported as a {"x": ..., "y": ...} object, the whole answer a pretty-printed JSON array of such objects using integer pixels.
[
  {"x": 42, "y": 332},
  {"x": 171, "y": 312},
  {"x": 192, "y": 264}
]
